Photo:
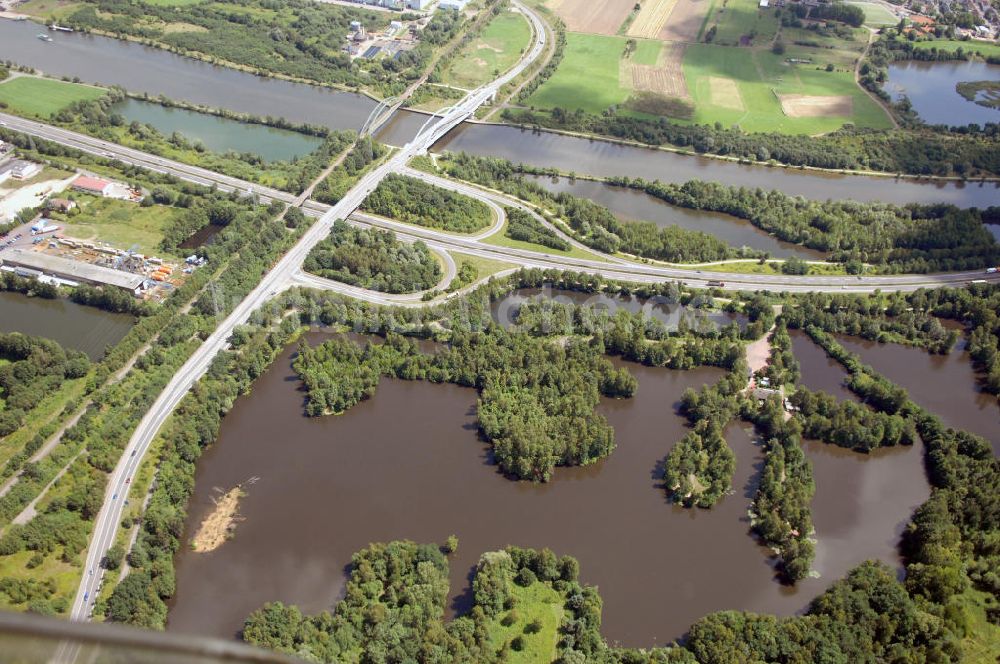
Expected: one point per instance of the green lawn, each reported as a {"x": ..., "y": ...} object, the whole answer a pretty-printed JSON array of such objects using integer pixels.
[
  {"x": 738, "y": 18},
  {"x": 876, "y": 15},
  {"x": 121, "y": 224},
  {"x": 497, "y": 49},
  {"x": 759, "y": 76},
  {"x": 56, "y": 9},
  {"x": 646, "y": 51},
  {"x": 42, "y": 97},
  {"x": 536, "y": 602},
  {"x": 500, "y": 240},
  {"x": 984, "y": 48},
  {"x": 588, "y": 76},
  {"x": 484, "y": 266}
]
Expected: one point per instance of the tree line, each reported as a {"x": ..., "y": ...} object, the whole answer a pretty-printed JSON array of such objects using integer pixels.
[
  {"x": 373, "y": 259},
  {"x": 523, "y": 226}
]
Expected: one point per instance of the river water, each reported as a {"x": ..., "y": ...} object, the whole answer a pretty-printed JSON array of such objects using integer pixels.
[
  {"x": 930, "y": 86},
  {"x": 73, "y": 325},
  {"x": 220, "y": 134},
  {"x": 145, "y": 69},
  {"x": 604, "y": 159},
  {"x": 638, "y": 205},
  {"x": 139, "y": 68},
  {"x": 385, "y": 470}
]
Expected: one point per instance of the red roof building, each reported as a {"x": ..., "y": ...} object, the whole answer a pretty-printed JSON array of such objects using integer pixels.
[{"x": 91, "y": 185}]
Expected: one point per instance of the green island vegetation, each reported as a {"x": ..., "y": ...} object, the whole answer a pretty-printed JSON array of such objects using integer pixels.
[
  {"x": 911, "y": 238},
  {"x": 984, "y": 93},
  {"x": 298, "y": 39},
  {"x": 524, "y": 600},
  {"x": 373, "y": 259},
  {"x": 849, "y": 424},
  {"x": 41, "y": 558},
  {"x": 31, "y": 368},
  {"x": 42, "y": 97},
  {"x": 536, "y": 399},
  {"x": 414, "y": 201},
  {"x": 96, "y": 115},
  {"x": 699, "y": 469},
  {"x": 362, "y": 157}
]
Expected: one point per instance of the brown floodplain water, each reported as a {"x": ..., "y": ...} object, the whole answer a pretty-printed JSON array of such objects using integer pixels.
[
  {"x": 409, "y": 464},
  {"x": 946, "y": 385}
]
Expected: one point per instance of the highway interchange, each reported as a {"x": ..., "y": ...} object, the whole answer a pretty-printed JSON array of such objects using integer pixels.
[{"x": 288, "y": 271}]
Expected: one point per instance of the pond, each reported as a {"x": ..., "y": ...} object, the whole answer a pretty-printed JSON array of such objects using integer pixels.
[
  {"x": 76, "y": 326},
  {"x": 930, "y": 87},
  {"x": 326, "y": 487},
  {"x": 220, "y": 134}
]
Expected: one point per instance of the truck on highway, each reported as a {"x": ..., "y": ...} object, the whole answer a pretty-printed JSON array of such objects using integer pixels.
[{"x": 716, "y": 284}]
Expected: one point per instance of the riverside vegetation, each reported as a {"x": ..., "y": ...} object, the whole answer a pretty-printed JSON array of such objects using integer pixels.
[
  {"x": 911, "y": 238},
  {"x": 297, "y": 39},
  {"x": 373, "y": 259}
]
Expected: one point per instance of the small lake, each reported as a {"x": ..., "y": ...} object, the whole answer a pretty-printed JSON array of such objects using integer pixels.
[
  {"x": 76, "y": 326},
  {"x": 386, "y": 470},
  {"x": 139, "y": 69},
  {"x": 220, "y": 134},
  {"x": 638, "y": 205},
  {"x": 930, "y": 86}
]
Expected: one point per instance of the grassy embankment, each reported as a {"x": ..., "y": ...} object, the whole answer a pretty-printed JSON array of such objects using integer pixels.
[{"x": 42, "y": 97}]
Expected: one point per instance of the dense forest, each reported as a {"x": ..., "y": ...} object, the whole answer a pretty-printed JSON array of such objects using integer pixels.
[
  {"x": 849, "y": 424},
  {"x": 30, "y": 369},
  {"x": 523, "y": 226},
  {"x": 297, "y": 38},
  {"x": 373, "y": 259},
  {"x": 699, "y": 469},
  {"x": 413, "y": 201},
  {"x": 962, "y": 152}
]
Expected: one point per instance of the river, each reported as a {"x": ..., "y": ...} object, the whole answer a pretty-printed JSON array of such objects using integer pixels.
[
  {"x": 220, "y": 134},
  {"x": 603, "y": 159},
  {"x": 73, "y": 325},
  {"x": 139, "y": 69},
  {"x": 385, "y": 470},
  {"x": 930, "y": 87}
]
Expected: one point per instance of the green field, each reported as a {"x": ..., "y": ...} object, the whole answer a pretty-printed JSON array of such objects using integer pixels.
[
  {"x": 122, "y": 224},
  {"x": 484, "y": 266},
  {"x": 588, "y": 77},
  {"x": 495, "y": 51},
  {"x": 876, "y": 15},
  {"x": 759, "y": 76},
  {"x": 538, "y": 602},
  {"x": 738, "y": 18},
  {"x": 983, "y": 47},
  {"x": 42, "y": 97},
  {"x": 49, "y": 8}
]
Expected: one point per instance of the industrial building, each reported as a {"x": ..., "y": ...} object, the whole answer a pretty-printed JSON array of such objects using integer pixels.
[
  {"x": 89, "y": 185},
  {"x": 19, "y": 169},
  {"x": 37, "y": 264}
]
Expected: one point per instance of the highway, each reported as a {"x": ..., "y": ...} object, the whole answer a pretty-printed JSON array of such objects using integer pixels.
[{"x": 283, "y": 275}]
